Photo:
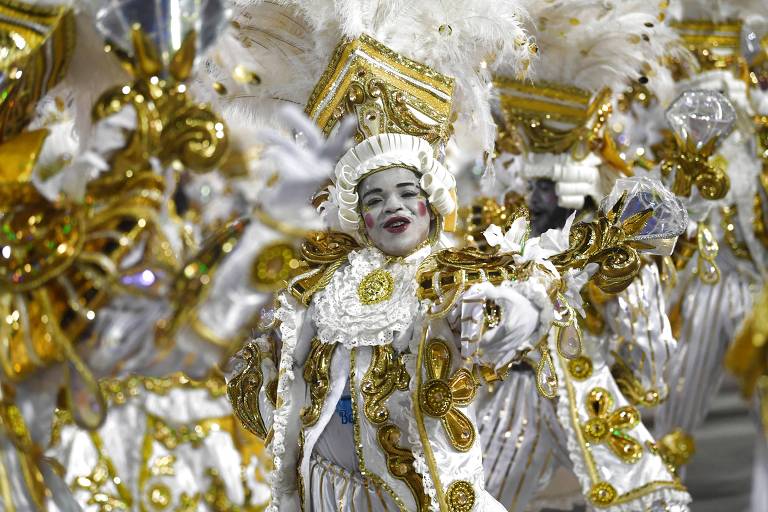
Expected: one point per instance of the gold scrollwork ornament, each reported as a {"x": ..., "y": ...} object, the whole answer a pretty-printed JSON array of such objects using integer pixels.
[
  {"x": 317, "y": 375},
  {"x": 385, "y": 374},
  {"x": 244, "y": 388}
]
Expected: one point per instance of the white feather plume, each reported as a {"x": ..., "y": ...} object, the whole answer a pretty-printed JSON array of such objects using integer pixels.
[{"x": 593, "y": 44}]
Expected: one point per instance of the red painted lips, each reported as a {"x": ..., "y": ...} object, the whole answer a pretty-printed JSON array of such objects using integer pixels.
[{"x": 397, "y": 224}]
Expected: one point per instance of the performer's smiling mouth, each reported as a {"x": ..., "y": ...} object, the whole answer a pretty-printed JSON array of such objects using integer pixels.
[{"x": 397, "y": 224}]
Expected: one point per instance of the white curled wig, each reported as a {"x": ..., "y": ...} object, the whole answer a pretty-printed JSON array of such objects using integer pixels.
[{"x": 390, "y": 150}]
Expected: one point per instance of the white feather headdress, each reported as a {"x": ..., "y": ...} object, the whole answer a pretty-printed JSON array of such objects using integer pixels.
[
  {"x": 592, "y": 44},
  {"x": 287, "y": 44}
]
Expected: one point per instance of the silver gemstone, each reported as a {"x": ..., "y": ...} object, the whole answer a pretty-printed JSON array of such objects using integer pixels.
[{"x": 699, "y": 116}]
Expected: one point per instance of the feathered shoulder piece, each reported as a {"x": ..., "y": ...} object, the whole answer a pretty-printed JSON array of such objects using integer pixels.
[{"x": 323, "y": 252}]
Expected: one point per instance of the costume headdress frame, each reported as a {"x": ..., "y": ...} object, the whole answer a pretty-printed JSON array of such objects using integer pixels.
[{"x": 403, "y": 113}]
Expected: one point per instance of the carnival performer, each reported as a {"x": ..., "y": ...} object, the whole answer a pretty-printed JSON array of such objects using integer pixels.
[{"x": 365, "y": 383}]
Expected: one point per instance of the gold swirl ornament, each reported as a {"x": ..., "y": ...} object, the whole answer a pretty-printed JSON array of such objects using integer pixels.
[
  {"x": 441, "y": 395},
  {"x": 608, "y": 242},
  {"x": 609, "y": 426}
]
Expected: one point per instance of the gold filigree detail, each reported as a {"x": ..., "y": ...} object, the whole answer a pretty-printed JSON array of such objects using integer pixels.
[
  {"x": 602, "y": 494},
  {"x": 580, "y": 368},
  {"x": 607, "y": 426},
  {"x": 376, "y": 287},
  {"x": 364, "y": 471},
  {"x": 460, "y": 496},
  {"x": 441, "y": 395},
  {"x": 715, "y": 44},
  {"x": 386, "y": 91},
  {"x": 606, "y": 241},
  {"x": 317, "y": 371},
  {"x": 556, "y": 118},
  {"x": 244, "y": 388},
  {"x": 739, "y": 249},
  {"x": 171, "y": 126},
  {"x": 385, "y": 374},
  {"x": 400, "y": 464}
]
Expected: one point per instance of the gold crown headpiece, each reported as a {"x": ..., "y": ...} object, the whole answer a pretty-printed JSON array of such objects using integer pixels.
[
  {"x": 716, "y": 45},
  {"x": 554, "y": 118},
  {"x": 387, "y": 92}
]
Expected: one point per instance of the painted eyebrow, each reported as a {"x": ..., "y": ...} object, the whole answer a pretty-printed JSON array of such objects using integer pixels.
[{"x": 407, "y": 184}]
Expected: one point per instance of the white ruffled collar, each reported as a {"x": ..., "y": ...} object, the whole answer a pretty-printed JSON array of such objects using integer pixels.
[{"x": 342, "y": 317}]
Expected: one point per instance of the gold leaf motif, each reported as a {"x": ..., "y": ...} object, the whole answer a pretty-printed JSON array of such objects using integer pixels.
[
  {"x": 607, "y": 426},
  {"x": 441, "y": 395}
]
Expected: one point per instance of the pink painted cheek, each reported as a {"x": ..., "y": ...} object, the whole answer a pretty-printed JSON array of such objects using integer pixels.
[
  {"x": 422, "y": 209},
  {"x": 369, "y": 220}
]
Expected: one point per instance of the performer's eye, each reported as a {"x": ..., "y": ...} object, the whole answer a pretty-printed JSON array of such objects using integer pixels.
[
  {"x": 370, "y": 203},
  {"x": 410, "y": 193}
]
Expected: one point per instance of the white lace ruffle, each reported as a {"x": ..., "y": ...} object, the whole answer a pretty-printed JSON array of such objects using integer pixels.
[
  {"x": 339, "y": 315},
  {"x": 286, "y": 313}
]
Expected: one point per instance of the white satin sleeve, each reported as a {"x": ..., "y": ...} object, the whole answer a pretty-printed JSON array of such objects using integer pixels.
[{"x": 525, "y": 314}]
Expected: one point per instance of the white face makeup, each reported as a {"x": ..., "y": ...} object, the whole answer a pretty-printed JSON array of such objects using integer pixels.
[{"x": 395, "y": 210}]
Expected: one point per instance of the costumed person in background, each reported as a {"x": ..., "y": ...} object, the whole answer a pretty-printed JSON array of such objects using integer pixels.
[
  {"x": 95, "y": 249},
  {"x": 556, "y": 136},
  {"x": 746, "y": 357},
  {"x": 710, "y": 160},
  {"x": 365, "y": 385}
]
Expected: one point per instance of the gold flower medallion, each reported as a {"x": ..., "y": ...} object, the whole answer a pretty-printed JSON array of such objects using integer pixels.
[{"x": 376, "y": 287}]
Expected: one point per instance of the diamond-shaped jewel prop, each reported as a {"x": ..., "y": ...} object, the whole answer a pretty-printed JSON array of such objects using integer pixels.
[
  {"x": 668, "y": 221},
  {"x": 698, "y": 117},
  {"x": 165, "y": 22}
]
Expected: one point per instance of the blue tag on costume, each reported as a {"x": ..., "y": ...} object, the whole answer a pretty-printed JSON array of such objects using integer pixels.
[{"x": 344, "y": 409}]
